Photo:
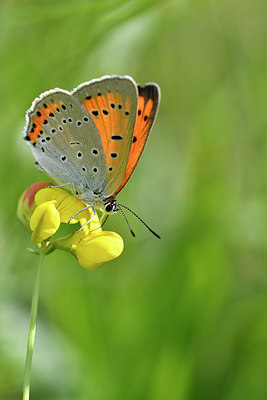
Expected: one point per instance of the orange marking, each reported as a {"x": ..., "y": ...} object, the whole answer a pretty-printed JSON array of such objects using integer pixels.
[
  {"x": 49, "y": 109},
  {"x": 146, "y": 114},
  {"x": 140, "y": 107},
  {"x": 102, "y": 102},
  {"x": 111, "y": 123},
  {"x": 127, "y": 109},
  {"x": 113, "y": 112},
  {"x": 148, "y": 107},
  {"x": 118, "y": 98},
  {"x": 91, "y": 105},
  {"x": 141, "y": 131},
  {"x": 35, "y": 133},
  {"x": 111, "y": 98},
  {"x": 39, "y": 120},
  {"x": 55, "y": 105},
  {"x": 119, "y": 101},
  {"x": 105, "y": 118},
  {"x": 127, "y": 104},
  {"x": 141, "y": 103}
]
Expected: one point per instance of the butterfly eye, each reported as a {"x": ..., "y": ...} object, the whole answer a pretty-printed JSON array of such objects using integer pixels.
[
  {"x": 111, "y": 206},
  {"x": 108, "y": 207}
]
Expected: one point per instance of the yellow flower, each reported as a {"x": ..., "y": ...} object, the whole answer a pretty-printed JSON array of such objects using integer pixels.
[
  {"x": 97, "y": 249},
  {"x": 94, "y": 249},
  {"x": 91, "y": 246},
  {"x": 55, "y": 205}
]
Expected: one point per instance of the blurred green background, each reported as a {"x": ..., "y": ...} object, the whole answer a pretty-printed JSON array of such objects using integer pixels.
[{"x": 182, "y": 318}]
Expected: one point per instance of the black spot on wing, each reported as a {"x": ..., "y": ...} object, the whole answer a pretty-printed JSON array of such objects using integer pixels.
[{"x": 116, "y": 137}]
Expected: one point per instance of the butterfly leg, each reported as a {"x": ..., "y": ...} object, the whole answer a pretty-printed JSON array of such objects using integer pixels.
[
  {"x": 81, "y": 210},
  {"x": 87, "y": 222},
  {"x": 58, "y": 186}
]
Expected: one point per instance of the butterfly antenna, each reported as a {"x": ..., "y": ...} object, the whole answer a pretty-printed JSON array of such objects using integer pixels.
[
  {"x": 105, "y": 220},
  {"x": 143, "y": 222},
  {"x": 124, "y": 216}
]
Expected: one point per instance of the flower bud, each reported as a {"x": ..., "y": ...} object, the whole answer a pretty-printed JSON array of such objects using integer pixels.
[{"x": 26, "y": 203}]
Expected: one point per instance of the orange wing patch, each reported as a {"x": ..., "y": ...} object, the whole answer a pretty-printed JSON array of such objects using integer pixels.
[
  {"x": 148, "y": 102},
  {"x": 110, "y": 114},
  {"x": 112, "y": 103},
  {"x": 40, "y": 119}
]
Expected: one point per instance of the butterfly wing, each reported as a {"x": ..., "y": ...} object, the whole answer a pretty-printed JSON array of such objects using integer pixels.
[
  {"x": 112, "y": 103},
  {"x": 148, "y": 102},
  {"x": 65, "y": 141}
]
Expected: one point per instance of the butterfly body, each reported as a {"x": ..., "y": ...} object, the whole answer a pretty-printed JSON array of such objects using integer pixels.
[{"x": 93, "y": 136}]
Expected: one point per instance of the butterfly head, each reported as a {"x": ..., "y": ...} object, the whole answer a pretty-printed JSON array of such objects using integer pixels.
[{"x": 110, "y": 207}]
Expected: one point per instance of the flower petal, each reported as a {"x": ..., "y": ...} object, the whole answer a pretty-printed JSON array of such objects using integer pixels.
[
  {"x": 44, "y": 222},
  {"x": 93, "y": 226},
  {"x": 26, "y": 203},
  {"x": 67, "y": 204},
  {"x": 94, "y": 251}
]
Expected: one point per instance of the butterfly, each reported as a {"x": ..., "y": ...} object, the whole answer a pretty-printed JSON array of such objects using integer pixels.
[{"x": 93, "y": 137}]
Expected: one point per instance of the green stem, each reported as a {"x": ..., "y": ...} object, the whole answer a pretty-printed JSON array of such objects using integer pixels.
[{"x": 31, "y": 337}]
